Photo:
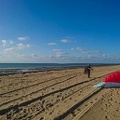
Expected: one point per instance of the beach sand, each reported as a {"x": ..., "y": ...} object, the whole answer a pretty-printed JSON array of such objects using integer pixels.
[{"x": 55, "y": 95}]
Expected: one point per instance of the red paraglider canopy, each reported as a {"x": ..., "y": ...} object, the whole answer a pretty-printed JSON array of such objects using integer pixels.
[{"x": 113, "y": 77}]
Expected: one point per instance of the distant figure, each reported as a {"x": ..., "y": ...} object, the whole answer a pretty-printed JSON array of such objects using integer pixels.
[{"x": 87, "y": 70}]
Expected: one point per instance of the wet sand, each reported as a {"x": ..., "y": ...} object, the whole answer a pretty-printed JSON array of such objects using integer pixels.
[{"x": 56, "y": 95}]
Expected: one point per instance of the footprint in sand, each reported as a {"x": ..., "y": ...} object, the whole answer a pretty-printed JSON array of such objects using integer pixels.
[
  {"x": 91, "y": 102},
  {"x": 106, "y": 117}
]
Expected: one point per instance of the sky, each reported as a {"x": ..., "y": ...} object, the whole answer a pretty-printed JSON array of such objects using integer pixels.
[{"x": 59, "y": 31}]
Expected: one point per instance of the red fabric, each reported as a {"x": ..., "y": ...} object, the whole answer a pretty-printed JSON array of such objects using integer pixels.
[{"x": 114, "y": 77}]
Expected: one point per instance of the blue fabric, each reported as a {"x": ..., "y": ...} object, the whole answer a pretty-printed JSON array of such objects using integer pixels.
[{"x": 99, "y": 85}]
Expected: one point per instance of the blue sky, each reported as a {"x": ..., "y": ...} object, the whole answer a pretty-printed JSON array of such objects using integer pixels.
[{"x": 61, "y": 31}]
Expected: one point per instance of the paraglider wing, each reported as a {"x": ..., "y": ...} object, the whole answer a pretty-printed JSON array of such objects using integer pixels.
[
  {"x": 114, "y": 77},
  {"x": 111, "y": 80}
]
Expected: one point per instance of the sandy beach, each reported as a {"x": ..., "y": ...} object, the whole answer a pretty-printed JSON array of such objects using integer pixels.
[{"x": 55, "y": 95}]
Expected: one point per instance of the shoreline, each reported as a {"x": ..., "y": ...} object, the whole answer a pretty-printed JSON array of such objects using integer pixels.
[{"x": 7, "y": 71}]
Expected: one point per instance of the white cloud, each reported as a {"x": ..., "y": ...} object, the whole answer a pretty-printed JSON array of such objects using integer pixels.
[
  {"x": 23, "y": 38},
  {"x": 51, "y": 44},
  {"x": 4, "y": 42},
  {"x": 65, "y": 41},
  {"x": 86, "y": 51},
  {"x": 22, "y": 46},
  {"x": 58, "y": 57},
  {"x": 61, "y": 54},
  {"x": 18, "y": 47},
  {"x": 9, "y": 50}
]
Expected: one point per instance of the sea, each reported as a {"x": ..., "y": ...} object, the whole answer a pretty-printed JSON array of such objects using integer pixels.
[{"x": 12, "y": 68}]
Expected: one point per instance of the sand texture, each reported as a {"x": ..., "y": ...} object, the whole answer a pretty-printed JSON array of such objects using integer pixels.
[{"x": 59, "y": 95}]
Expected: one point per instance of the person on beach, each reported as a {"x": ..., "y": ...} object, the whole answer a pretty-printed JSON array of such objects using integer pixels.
[{"x": 87, "y": 70}]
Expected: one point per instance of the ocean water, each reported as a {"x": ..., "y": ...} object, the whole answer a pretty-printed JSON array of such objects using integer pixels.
[{"x": 8, "y": 68}]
